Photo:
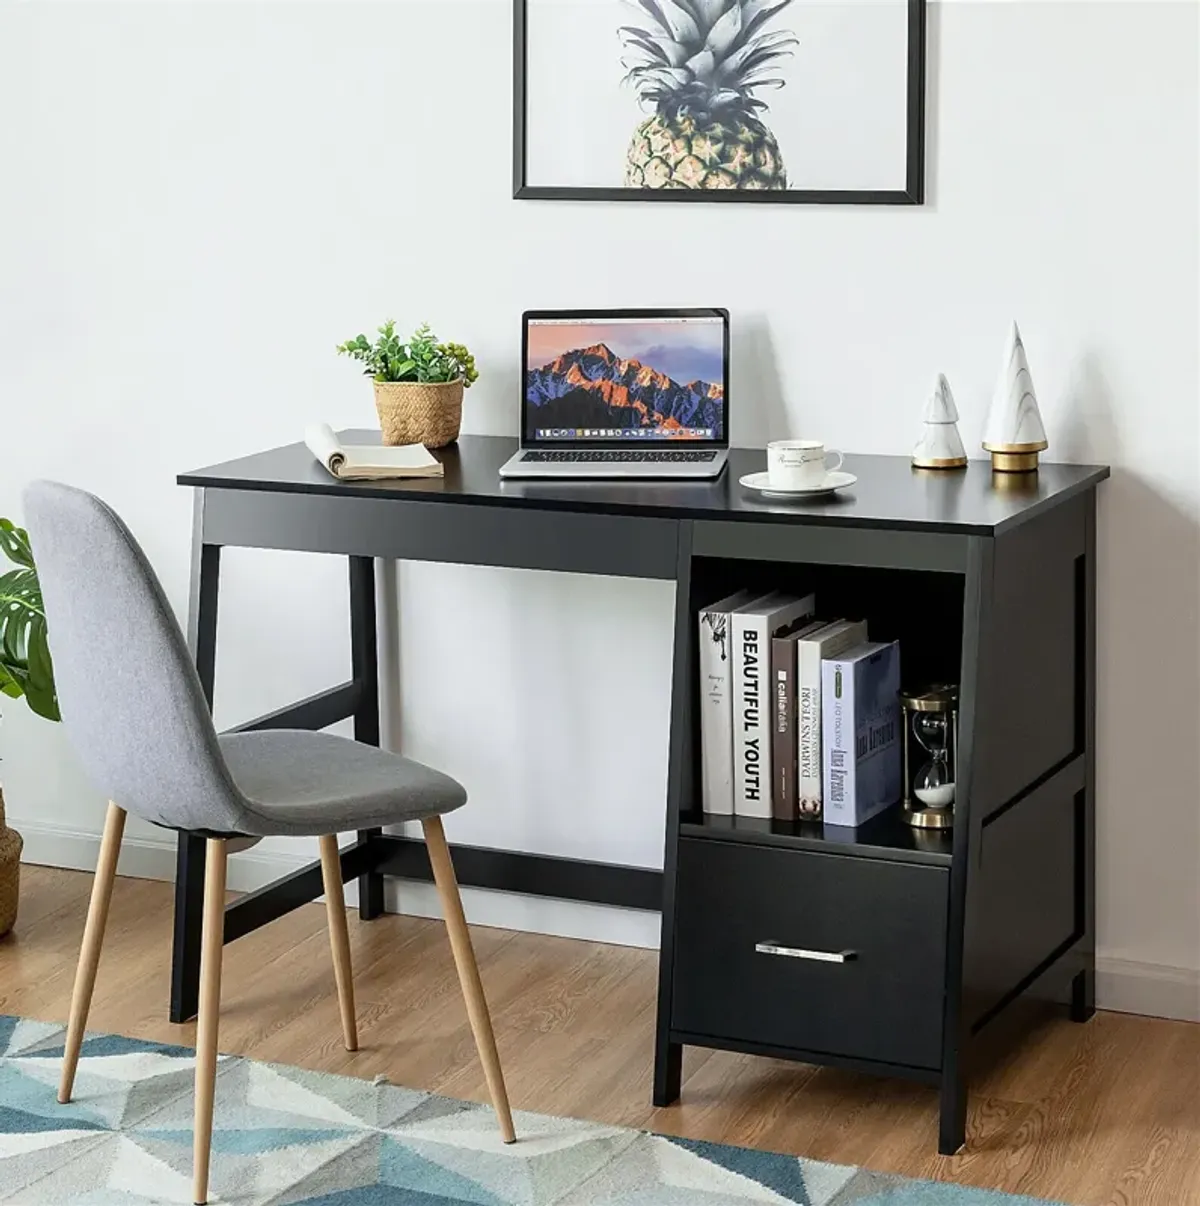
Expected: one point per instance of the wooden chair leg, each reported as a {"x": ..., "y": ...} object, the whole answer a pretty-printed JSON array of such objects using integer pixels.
[
  {"x": 468, "y": 971},
  {"x": 93, "y": 939},
  {"x": 211, "y": 951},
  {"x": 339, "y": 937}
]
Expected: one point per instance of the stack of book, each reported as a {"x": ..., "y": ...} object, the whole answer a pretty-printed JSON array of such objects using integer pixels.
[{"x": 800, "y": 717}]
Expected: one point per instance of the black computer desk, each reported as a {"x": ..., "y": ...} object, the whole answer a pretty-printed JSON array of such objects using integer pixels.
[{"x": 986, "y": 580}]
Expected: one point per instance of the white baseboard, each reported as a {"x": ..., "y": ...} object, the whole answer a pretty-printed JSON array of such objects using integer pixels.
[
  {"x": 154, "y": 858},
  {"x": 1153, "y": 989},
  {"x": 50, "y": 845}
]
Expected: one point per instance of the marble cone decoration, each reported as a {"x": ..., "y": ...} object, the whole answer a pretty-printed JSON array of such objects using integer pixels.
[
  {"x": 1014, "y": 434},
  {"x": 940, "y": 446}
]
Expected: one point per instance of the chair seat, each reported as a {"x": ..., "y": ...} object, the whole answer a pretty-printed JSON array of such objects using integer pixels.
[{"x": 305, "y": 784}]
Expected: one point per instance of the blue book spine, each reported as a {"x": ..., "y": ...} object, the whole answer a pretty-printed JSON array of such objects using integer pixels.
[{"x": 861, "y": 730}]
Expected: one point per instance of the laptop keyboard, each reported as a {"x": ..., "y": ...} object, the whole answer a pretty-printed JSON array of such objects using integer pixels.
[{"x": 610, "y": 456}]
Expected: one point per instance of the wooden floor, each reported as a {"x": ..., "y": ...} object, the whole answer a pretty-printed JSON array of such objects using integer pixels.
[{"x": 1105, "y": 1114}]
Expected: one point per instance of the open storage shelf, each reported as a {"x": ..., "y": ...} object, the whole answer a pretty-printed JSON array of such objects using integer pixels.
[{"x": 921, "y": 609}]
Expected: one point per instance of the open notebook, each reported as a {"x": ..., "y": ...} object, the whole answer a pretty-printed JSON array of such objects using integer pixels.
[{"x": 350, "y": 462}]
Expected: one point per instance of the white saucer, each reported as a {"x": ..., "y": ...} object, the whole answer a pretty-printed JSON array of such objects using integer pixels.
[{"x": 760, "y": 483}]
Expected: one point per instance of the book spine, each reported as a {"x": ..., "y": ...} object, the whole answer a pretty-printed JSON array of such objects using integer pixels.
[
  {"x": 751, "y": 731},
  {"x": 783, "y": 738},
  {"x": 838, "y": 731},
  {"x": 877, "y": 727},
  {"x": 716, "y": 713},
  {"x": 808, "y": 728}
]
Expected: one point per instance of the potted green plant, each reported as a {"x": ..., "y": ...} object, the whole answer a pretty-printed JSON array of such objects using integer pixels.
[
  {"x": 418, "y": 384},
  {"x": 25, "y": 670}
]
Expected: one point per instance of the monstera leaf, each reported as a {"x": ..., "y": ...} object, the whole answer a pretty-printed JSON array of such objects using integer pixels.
[{"x": 25, "y": 666}]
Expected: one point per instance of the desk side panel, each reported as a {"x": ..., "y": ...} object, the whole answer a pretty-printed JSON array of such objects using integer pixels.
[
  {"x": 1035, "y": 717},
  {"x": 1031, "y": 911},
  {"x": 1027, "y": 844}
]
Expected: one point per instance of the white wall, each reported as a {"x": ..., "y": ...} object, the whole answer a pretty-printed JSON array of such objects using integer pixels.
[{"x": 200, "y": 200}]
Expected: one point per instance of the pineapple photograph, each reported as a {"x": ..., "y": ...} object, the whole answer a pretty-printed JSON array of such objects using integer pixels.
[
  {"x": 699, "y": 66},
  {"x": 803, "y": 101}
]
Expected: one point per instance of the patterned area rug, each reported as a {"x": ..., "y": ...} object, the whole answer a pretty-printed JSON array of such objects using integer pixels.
[{"x": 283, "y": 1135}]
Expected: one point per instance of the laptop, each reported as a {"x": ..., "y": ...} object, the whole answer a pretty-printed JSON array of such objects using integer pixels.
[{"x": 623, "y": 393}]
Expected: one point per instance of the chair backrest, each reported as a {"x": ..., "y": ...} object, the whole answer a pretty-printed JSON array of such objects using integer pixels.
[{"x": 128, "y": 692}]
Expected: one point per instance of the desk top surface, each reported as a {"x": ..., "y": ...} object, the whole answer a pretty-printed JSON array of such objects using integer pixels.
[{"x": 889, "y": 492}]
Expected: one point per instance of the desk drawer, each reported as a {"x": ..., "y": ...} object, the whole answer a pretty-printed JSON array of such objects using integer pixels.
[{"x": 737, "y": 903}]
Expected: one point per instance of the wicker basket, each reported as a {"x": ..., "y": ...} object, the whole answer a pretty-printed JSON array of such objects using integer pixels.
[
  {"x": 419, "y": 412},
  {"x": 10, "y": 872}
]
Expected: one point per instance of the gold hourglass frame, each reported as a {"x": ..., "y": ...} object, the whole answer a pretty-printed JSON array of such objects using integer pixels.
[{"x": 943, "y": 700}]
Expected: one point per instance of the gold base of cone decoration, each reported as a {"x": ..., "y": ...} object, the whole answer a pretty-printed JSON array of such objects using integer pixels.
[
  {"x": 1015, "y": 458},
  {"x": 1015, "y": 483},
  {"x": 957, "y": 462}
]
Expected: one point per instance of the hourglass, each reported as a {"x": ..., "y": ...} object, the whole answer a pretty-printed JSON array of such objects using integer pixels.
[{"x": 930, "y": 738}]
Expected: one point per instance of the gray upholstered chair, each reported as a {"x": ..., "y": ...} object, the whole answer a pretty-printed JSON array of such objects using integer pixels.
[{"x": 134, "y": 711}]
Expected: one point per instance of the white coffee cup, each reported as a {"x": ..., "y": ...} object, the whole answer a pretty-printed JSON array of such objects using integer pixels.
[{"x": 799, "y": 464}]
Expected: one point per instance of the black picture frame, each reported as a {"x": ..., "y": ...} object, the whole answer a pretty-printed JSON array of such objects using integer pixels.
[{"x": 913, "y": 192}]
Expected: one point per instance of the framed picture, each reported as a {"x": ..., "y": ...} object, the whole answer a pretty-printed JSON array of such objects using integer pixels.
[{"x": 808, "y": 101}]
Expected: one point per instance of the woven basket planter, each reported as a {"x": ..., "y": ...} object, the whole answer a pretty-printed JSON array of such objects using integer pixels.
[
  {"x": 419, "y": 412},
  {"x": 10, "y": 872}
]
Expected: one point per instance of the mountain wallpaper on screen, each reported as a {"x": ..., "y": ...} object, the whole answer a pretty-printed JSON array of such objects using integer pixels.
[{"x": 593, "y": 387}]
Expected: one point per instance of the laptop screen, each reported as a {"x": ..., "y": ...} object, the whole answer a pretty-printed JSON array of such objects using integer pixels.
[{"x": 614, "y": 378}]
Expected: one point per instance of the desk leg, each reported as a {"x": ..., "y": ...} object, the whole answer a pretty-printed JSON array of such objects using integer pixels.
[
  {"x": 977, "y": 701},
  {"x": 189, "y": 907},
  {"x": 189, "y": 856},
  {"x": 364, "y": 658},
  {"x": 952, "y": 1120},
  {"x": 668, "y": 1055},
  {"x": 1083, "y": 988}
]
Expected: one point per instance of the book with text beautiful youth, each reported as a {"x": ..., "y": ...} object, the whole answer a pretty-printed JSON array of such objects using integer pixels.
[
  {"x": 861, "y": 732},
  {"x": 783, "y": 718},
  {"x": 752, "y": 629},
  {"x": 826, "y": 642},
  {"x": 364, "y": 462},
  {"x": 716, "y": 715}
]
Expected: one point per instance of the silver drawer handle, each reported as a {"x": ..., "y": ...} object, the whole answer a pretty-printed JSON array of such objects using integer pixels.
[{"x": 796, "y": 952}]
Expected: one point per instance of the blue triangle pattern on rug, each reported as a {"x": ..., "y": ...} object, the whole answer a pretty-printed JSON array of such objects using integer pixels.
[
  {"x": 99, "y": 1045},
  {"x": 29, "y": 1096},
  {"x": 126, "y": 1138},
  {"x": 251, "y": 1141},
  {"x": 381, "y": 1195},
  {"x": 783, "y": 1175},
  {"x": 402, "y": 1168},
  {"x": 940, "y": 1193},
  {"x": 23, "y": 1122}
]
